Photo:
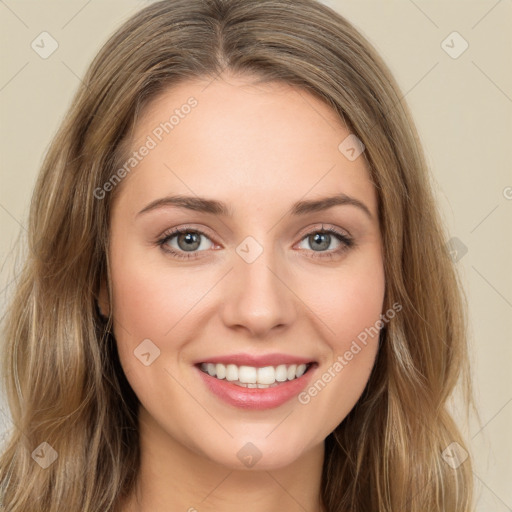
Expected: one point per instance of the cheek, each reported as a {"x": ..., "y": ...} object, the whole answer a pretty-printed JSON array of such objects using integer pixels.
[
  {"x": 147, "y": 303},
  {"x": 351, "y": 313},
  {"x": 148, "y": 300},
  {"x": 348, "y": 306},
  {"x": 347, "y": 301}
]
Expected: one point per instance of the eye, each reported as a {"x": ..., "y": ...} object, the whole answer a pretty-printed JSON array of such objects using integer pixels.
[
  {"x": 321, "y": 240},
  {"x": 187, "y": 241}
]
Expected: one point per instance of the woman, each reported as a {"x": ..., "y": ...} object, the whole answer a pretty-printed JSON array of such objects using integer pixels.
[{"x": 238, "y": 292}]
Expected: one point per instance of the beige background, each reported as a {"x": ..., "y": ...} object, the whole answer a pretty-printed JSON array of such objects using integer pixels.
[{"x": 463, "y": 110}]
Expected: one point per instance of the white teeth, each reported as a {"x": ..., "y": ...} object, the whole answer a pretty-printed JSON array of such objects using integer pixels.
[
  {"x": 281, "y": 373},
  {"x": 231, "y": 372},
  {"x": 291, "y": 371},
  {"x": 300, "y": 370},
  {"x": 252, "y": 377},
  {"x": 220, "y": 371},
  {"x": 261, "y": 386},
  {"x": 247, "y": 375},
  {"x": 266, "y": 375}
]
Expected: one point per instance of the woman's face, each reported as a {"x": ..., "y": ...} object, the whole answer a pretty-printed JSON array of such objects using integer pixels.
[{"x": 256, "y": 282}]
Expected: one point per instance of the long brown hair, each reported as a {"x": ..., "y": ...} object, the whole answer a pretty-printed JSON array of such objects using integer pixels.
[{"x": 63, "y": 379}]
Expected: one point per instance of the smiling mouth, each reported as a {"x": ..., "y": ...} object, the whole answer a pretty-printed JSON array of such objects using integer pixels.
[{"x": 255, "y": 377}]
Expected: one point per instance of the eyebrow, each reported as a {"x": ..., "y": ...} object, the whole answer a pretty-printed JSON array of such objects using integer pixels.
[{"x": 214, "y": 207}]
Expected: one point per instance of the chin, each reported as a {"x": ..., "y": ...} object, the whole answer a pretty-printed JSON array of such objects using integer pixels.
[{"x": 257, "y": 453}]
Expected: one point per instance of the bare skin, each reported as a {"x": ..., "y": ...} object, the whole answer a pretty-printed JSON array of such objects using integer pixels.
[{"x": 259, "y": 149}]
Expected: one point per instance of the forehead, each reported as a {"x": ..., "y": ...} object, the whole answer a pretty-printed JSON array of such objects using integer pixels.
[{"x": 230, "y": 135}]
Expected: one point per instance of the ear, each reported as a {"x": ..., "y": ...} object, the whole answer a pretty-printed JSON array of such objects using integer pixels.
[{"x": 103, "y": 302}]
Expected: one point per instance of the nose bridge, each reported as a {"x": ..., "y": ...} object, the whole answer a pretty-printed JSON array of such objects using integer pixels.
[{"x": 257, "y": 299}]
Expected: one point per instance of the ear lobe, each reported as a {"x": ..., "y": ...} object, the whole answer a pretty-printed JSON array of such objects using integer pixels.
[{"x": 103, "y": 302}]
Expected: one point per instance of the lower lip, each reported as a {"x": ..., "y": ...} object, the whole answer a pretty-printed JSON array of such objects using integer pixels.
[{"x": 256, "y": 398}]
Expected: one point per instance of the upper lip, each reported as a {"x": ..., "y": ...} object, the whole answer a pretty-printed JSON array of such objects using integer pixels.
[{"x": 257, "y": 360}]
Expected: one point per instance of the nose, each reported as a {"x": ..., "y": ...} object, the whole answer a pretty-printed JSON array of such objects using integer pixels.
[{"x": 258, "y": 298}]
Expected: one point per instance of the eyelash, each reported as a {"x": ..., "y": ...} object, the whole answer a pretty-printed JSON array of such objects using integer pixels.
[{"x": 347, "y": 242}]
